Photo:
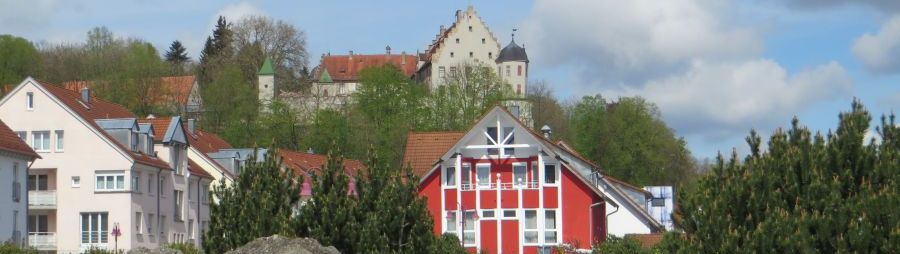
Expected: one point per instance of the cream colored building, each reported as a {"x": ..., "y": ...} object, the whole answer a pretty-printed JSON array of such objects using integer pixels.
[
  {"x": 15, "y": 156},
  {"x": 100, "y": 170},
  {"x": 469, "y": 41}
]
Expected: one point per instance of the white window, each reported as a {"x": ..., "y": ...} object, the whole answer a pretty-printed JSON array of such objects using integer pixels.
[
  {"x": 450, "y": 176},
  {"x": 162, "y": 225},
  {"x": 507, "y": 71},
  {"x": 29, "y": 101},
  {"x": 110, "y": 182},
  {"x": 531, "y": 227},
  {"x": 451, "y": 222},
  {"x": 190, "y": 192},
  {"x": 488, "y": 214},
  {"x": 37, "y": 182},
  {"x": 76, "y": 182},
  {"x": 23, "y": 135},
  {"x": 535, "y": 177},
  {"x": 466, "y": 176},
  {"x": 484, "y": 175},
  {"x": 452, "y": 69},
  {"x": 150, "y": 184},
  {"x": 40, "y": 140},
  {"x": 519, "y": 177},
  {"x": 94, "y": 228},
  {"x": 176, "y": 160},
  {"x": 135, "y": 182},
  {"x": 550, "y": 226},
  {"x": 509, "y": 214},
  {"x": 179, "y": 202},
  {"x": 37, "y": 224},
  {"x": 138, "y": 223},
  {"x": 60, "y": 141},
  {"x": 469, "y": 228},
  {"x": 191, "y": 229},
  {"x": 551, "y": 175},
  {"x": 150, "y": 223}
]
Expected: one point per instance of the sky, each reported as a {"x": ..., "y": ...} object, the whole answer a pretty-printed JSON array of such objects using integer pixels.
[{"x": 715, "y": 68}]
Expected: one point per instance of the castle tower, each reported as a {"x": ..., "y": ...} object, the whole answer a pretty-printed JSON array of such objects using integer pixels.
[
  {"x": 512, "y": 67},
  {"x": 266, "y": 84}
]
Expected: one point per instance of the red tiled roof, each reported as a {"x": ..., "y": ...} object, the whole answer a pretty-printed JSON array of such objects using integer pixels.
[
  {"x": 174, "y": 89},
  {"x": 347, "y": 67},
  {"x": 100, "y": 109},
  {"x": 302, "y": 163},
  {"x": 424, "y": 148},
  {"x": 160, "y": 125},
  {"x": 206, "y": 142},
  {"x": 646, "y": 240},
  {"x": 197, "y": 170},
  {"x": 11, "y": 142}
]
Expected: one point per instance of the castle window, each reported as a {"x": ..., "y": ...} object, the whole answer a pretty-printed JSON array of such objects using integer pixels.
[
  {"x": 483, "y": 41},
  {"x": 471, "y": 54},
  {"x": 520, "y": 70},
  {"x": 441, "y": 71},
  {"x": 491, "y": 55},
  {"x": 451, "y": 54},
  {"x": 470, "y": 28},
  {"x": 457, "y": 40},
  {"x": 507, "y": 70},
  {"x": 519, "y": 89}
]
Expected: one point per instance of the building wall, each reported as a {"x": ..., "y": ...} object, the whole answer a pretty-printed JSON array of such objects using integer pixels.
[
  {"x": 13, "y": 214},
  {"x": 453, "y": 54},
  {"x": 84, "y": 155},
  {"x": 266, "y": 88},
  {"x": 624, "y": 221},
  {"x": 213, "y": 169},
  {"x": 518, "y": 81}
]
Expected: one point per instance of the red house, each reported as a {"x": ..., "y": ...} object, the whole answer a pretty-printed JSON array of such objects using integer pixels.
[{"x": 502, "y": 188}]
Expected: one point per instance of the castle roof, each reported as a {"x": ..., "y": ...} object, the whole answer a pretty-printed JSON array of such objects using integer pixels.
[{"x": 512, "y": 52}]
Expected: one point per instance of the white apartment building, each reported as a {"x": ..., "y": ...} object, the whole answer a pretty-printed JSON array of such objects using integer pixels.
[
  {"x": 15, "y": 156},
  {"x": 100, "y": 170}
]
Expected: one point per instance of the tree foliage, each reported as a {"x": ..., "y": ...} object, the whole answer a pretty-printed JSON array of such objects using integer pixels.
[
  {"x": 466, "y": 93},
  {"x": 630, "y": 141},
  {"x": 177, "y": 57},
  {"x": 278, "y": 40},
  {"x": 257, "y": 204},
  {"x": 801, "y": 193},
  {"x": 18, "y": 60}
]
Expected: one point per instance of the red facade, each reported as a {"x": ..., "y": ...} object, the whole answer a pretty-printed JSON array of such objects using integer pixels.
[{"x": 568, "y": 199}]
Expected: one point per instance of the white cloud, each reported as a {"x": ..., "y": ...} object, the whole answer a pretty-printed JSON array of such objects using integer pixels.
[
  {"x": 880, "y": 52},
  {"x": 732, "y": 97},
  {"x": 634, "y": 40},
  {"x": 698, "y": 60},
  {"x": 870, "y": 135}
]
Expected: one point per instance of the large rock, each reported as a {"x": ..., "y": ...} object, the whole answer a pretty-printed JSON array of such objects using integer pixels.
[
  {"x": 277, "y": 244},
  {"x": 160, "y": 250}
]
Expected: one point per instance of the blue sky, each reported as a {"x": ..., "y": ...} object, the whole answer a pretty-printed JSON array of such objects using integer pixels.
[{"x": 716, "y": 68}]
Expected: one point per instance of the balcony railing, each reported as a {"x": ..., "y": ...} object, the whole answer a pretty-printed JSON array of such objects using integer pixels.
[
  {"x": 42, "y": 199},
  {"x": 502, "y": 186},
  {"x": 42, "y": 240}
]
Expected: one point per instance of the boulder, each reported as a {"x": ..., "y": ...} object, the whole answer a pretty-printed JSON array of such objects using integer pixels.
[
  {"x": 160, "y": 250},
  {"x": 277, "y": 244}
]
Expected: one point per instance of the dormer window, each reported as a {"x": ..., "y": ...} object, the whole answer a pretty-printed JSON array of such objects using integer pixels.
[
  {"x": 29, "y": 101},
  {"x": 134, "y": 141}
]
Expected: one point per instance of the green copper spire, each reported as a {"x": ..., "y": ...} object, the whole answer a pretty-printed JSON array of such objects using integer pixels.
[
  {"x": 325, "y": 77},
  {"x": 266, "y": 68}
]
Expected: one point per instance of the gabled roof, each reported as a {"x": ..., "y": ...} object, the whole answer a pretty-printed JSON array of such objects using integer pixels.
[
  {"x": 10, "y": 142},
  {"x": 348, "y": 67},
  {"x": 164, "y": 129},
  {"x": 424, "y": 148},
  {"x": 206, "y": 143},
  {"x": 97, "y": 109},
  {"x": 549, "y": 146}
]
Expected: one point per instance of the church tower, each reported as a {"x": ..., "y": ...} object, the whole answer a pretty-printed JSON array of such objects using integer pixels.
[
  {"x": 512, "y": 67},
  {"x": 266, "y": 84}
]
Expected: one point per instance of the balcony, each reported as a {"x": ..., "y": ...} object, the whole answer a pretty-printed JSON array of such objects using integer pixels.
[
  {"x": 42, "y": 240},
  {"x": 45, "y": 199}
]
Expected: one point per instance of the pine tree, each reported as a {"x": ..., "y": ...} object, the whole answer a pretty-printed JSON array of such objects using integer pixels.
[
  {"x": 258, "y": 203},
  {"x": 807, "y": 193},
  {"x": 329, "y": 216},
  {"x": 176, "y": 53},
  {"x": 217, "y": 50}
]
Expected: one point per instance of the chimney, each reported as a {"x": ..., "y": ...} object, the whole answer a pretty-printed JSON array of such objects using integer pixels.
[
  {"x": 443, "y": 29},
  {"x": 459, "y": 15},
  {"x": 192, "y": 125},
  {"x": 388, "y": 49},
  {"x": 403, "y": 58},
  {"x": 546, "y": 130},
  {"x": 86, "y": 95}
]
